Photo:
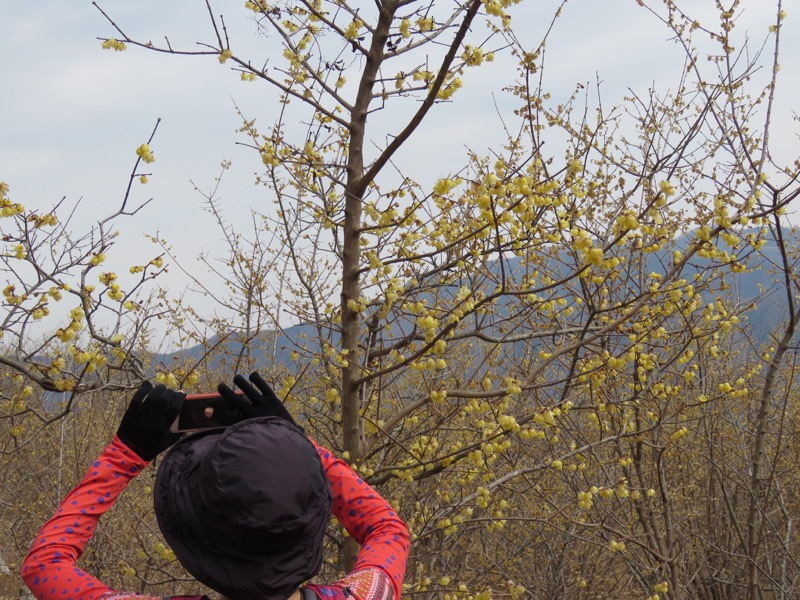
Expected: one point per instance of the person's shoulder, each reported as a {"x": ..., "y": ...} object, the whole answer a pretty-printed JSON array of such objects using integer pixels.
[
  {"x": 365, "y": 584},
  {"x": 124, "y": 596}
]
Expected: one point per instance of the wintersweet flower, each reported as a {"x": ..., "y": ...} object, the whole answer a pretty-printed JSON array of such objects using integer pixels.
[
  {"x": 666, "y": 188},
  {"x": 425, "y": 23},
  {"x": 585, "y": 500},
  {"x": 115, "y": 293},
  {"x": 352, "y": 30},
  {"x": 107, "y": 278},
  {"x": 472, "y": 55},
  {"x": 679, "y": 434},
  {"x": 145, "y": 153},
  {"x": 167, "y": 379},
  {"x": 405, "y": 28},
  {"x": 66, "y": 334},
  {"x": 616, "y": 546},
  {"x": 113, "y": 44}
]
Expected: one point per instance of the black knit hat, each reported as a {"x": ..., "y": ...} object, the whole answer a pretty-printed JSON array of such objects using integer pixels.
[{"x": 245, "y": 508}]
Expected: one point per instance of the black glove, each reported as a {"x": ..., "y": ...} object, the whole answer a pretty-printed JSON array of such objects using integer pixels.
[
  {"x": 145, "y": 425},
  {"x": 254, "y": 403}
]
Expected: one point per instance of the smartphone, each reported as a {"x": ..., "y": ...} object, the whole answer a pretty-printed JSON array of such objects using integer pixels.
[{"x": 192, "y": 416}]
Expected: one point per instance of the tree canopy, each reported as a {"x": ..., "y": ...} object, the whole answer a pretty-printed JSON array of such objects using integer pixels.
[{"x": 542, "y": 358}]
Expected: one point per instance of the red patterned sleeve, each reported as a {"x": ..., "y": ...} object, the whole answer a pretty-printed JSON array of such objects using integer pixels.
[
  {"x": 49, "y": 570},
  {"x": 369, "y": 519}
]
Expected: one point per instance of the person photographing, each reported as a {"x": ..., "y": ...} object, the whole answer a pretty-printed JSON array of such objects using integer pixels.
[{"x": 244, "y": 508}]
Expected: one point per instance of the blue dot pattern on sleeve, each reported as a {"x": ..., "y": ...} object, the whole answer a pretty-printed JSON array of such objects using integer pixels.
[
  {"x": 49, "y": 569},
  {"x": 372, "y": 522}
]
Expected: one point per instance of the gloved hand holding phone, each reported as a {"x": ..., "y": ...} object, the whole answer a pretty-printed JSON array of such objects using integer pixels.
[
  {"x": 260, "y": 402},
  {"x": 145, "y": 425}
]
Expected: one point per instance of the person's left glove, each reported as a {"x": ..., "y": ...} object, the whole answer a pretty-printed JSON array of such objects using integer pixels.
[
  {"x": 145, "y": 425},
  {"x": 261, "y": 402}
]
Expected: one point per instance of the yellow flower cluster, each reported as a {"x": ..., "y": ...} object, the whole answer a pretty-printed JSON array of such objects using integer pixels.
[
  {"x": 76, "y": 324},
  {"x": 91, "y": 358},
  {"x": 256, "y": 5},
  {"x": 451, "y": 87},
  {"x": 508, "y": 423},
  {"x": 223, "y": 58},
  {"x": 39, "y": 221},
  {"x": 472, "y": 55},
  {"x": 425, "y": 23},
  {"x": 113, "y": 44},
  {"x": 167, "y": 379},
  {"x": 107, "y": 278},
  {"x": 11, "y": 297},
  {"x": 145, "y": 153},
  {"x": 405, "y": 28},
  {"x": 353, "y": 29},
  {"x": 438, "y": 396},
  {"x": 8, "y": 208},
  {"x": 115, "y": 293},
  {"x": 40, "y": 311},
  {"x": 616, "y": 546},
  {"x": 422, "y": 75}
]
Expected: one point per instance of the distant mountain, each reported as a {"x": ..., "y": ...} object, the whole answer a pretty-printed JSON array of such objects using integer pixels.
[{"x": 755, "y": 288}]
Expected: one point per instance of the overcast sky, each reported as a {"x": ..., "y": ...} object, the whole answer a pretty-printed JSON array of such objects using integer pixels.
[{"x": 72, "y": 114}]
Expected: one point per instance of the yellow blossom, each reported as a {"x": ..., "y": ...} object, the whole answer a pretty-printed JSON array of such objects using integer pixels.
[
  {"x": 425, "y": 23},
  {"x": 585, "y": 500},
  {"x": 114, "y": 292},
  {"x": 168, "y": 379},
  {"x": 145, "y": 153},
  {"x": 616, "y": 546},
  {"x": 113, "y": 44},
  {"x": 666, "y": 188},
  {"x": 352, "y": 30},
  {"x": 107, "y": 278},
  {"x": 438, "y": 396},
  {"x": 679, "y": 434},
  {"x": 447, "y": 90},
  {"x": 472, "y": 55},
  {"x": 405, "y": 28}
]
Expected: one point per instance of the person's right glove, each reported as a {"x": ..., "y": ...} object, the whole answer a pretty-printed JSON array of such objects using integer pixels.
[
  {"x": 145, "y": 425},
  {"x": 261, "y": 402}
]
